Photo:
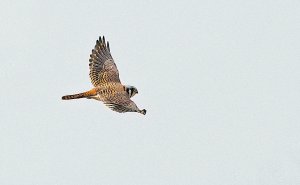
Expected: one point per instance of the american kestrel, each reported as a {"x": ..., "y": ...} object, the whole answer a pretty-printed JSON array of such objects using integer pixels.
[{"x": 108, "y": 87}]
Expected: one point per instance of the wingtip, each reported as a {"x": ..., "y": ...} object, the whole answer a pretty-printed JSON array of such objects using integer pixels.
[
  {"x": 144, "y": 111},
  {"x": 108, "y": 46}
]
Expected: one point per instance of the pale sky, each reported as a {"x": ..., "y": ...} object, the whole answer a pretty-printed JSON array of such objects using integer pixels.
[{"x": 219, "y": 80}]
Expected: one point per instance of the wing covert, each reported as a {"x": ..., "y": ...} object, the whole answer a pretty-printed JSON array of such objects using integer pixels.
[{"x": 121, "y": 102}]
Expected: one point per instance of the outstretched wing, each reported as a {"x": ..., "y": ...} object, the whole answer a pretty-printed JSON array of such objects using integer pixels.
[
  {"x": 120, "y": 102},
  {"x": 102, "y": 66}
]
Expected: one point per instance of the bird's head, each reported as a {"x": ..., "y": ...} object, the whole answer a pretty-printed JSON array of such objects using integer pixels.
[{"x": 131, "y": 90}]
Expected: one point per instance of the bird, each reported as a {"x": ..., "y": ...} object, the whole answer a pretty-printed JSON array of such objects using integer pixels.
[{"x": 105, "y": 78}]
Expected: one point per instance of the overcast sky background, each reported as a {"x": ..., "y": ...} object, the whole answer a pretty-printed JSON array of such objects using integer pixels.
[{"x": 220, "y": 81}]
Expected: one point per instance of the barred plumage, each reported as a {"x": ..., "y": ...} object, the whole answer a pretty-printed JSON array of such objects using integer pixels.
[{"x": 105, "y": 77}]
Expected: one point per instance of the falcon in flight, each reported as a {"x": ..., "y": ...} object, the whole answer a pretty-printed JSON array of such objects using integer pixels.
[{"x": 107, "y": 85}]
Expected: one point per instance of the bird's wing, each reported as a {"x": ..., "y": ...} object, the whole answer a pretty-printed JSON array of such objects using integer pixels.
[
  {"x": 102, "y": 66},
  {"x": 120, "y": 102}
]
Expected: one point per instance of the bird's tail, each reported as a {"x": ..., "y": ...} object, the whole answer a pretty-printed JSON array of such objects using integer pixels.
[{"x": 87, "y": 94}]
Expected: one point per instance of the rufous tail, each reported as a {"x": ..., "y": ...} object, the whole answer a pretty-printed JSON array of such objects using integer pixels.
[{"x": 87, "y": 94}]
